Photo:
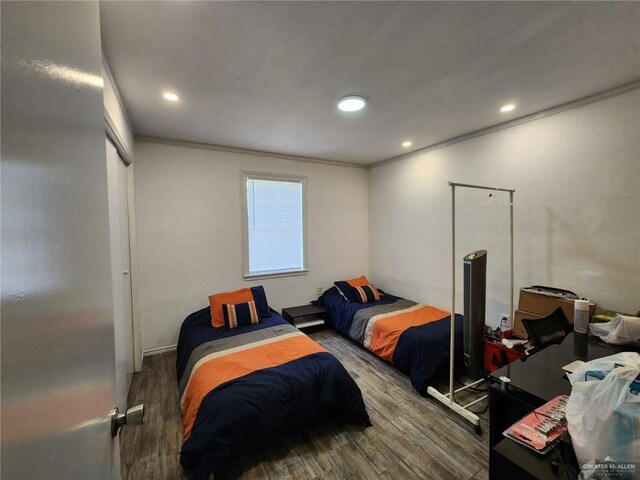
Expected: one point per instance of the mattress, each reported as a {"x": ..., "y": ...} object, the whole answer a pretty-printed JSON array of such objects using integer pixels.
[
  {"x": 242, "y": 388},
  {"x": 413, "y": 337}
]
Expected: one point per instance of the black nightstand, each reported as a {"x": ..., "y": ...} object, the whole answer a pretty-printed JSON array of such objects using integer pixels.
[{"x": 308, "y": 318}]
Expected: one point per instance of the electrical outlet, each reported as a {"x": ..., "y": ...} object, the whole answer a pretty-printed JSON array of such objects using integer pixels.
[
  {"x": 319, "y": 291},
  {"x": 505, "y": 321}
]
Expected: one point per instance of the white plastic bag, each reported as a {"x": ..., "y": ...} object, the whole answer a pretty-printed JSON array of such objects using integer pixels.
[
  {"x": 603, "y": 418},
  {"x": 622, "y": 330}
]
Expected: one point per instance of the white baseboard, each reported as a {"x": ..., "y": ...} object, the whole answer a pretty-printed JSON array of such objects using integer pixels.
[{"x": 159, "y": 350}]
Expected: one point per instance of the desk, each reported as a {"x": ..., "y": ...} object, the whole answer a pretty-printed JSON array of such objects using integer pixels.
[{"x": 534, "y": 382}]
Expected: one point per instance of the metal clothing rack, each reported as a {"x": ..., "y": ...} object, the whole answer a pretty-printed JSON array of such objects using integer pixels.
[{"x": 449, "y": 399}]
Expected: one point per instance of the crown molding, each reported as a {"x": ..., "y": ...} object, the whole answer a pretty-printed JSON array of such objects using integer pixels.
[
  {"x": 245, "y": 151},
  {"x": 580, "y": 102}
]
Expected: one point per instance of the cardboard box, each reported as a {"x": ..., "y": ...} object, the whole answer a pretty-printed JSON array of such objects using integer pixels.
[
  {"x": 518, "y": 328},
  {"x": 543, "y": 303},
  {"x": 536, "y": 303}
]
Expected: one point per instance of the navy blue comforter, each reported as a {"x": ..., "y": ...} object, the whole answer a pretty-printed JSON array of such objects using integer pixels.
[
  {"x": 255, "y": 408},
  {"x": 421, "y": 351}
]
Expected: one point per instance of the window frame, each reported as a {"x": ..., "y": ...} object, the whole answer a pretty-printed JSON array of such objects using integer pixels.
[{"x": 245, "y": 176}]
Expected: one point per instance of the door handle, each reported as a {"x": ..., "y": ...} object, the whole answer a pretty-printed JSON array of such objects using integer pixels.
[
  {"x": 133, "y": 416},
  {"x": 126, "y": 272}
]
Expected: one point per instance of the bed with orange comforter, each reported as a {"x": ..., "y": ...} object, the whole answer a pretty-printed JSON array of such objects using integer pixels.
[
  {"x": 244, "y": 387},
  {"x": 414, "y": 337}
]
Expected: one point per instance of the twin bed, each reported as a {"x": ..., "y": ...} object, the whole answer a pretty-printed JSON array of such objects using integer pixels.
[
  {"x": 413, "y": 337},
  {"x": 243, "y": 385}
]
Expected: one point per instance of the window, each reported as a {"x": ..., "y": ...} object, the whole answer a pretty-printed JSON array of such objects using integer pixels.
[{"x": 274, "y": 225}]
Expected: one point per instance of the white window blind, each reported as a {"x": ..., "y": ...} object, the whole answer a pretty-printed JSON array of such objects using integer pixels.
[{"x": 275, "y": 228}]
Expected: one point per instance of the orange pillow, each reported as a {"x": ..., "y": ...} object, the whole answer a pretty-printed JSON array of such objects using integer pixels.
[
  {"x": 216, "y": 301},
  {"x": 359, "y": 281}
]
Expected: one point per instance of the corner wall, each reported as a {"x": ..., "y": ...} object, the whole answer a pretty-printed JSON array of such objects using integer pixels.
[
  {"x": 189, "y": 231},
  {"x": 577, "y": 210},
  {"x": 116, "y": 115}
]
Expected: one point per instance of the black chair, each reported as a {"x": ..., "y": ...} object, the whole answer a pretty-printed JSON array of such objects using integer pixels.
[{"x": 547, "y": 330}]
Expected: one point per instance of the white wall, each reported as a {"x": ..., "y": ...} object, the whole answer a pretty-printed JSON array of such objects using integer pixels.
[
  {"x": 189, "y": 231},
  {"x": 577, "y": 210},
  {"x": 116, "y": 114}
]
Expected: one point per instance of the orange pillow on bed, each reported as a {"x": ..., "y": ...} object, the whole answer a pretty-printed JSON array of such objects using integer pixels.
[
  {"x": 359, "y": 281},
  {"x": 216, "y": 301}
]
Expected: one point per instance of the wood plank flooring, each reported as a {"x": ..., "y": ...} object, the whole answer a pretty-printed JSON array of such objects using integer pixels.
[{"x": 412, "y": 437}]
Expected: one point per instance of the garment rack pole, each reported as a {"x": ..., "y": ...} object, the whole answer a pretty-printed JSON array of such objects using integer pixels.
[
  {"x": 452, "y": 343},
  {"x": 511, "y": 258},
  {"x": 450, "y": 400}
]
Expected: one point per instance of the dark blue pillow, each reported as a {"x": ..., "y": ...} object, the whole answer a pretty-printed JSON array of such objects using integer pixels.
[
  {"x": 346, "y": 291},
  {"x": 366, "y": 294},
  {"x": 240, "y": 314},
  {"x": 260, "y": 297}
]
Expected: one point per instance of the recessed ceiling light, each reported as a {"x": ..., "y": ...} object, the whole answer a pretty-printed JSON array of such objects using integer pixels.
[
  {"x": 407, "y": 144},
  {"x": 507, "y": 108},
  {"x": 172, "y": 97},
  {"x": 351, "y": 103}
]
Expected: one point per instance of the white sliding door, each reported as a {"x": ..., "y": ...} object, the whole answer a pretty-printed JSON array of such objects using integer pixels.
[{"x": 120, "y": 272}]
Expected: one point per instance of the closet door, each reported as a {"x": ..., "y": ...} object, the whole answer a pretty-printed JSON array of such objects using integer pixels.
[{"x": 120, "y": 272}]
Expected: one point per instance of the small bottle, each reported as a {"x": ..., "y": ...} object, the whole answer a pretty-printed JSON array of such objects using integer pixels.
[{"x": 581, "y": 316}]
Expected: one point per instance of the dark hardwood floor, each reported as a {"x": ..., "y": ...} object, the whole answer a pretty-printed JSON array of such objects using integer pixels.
[{"x": 412, "y": 437}]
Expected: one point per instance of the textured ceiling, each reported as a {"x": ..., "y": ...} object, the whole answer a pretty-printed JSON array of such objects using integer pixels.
[{"x": 266, "y": 76}]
